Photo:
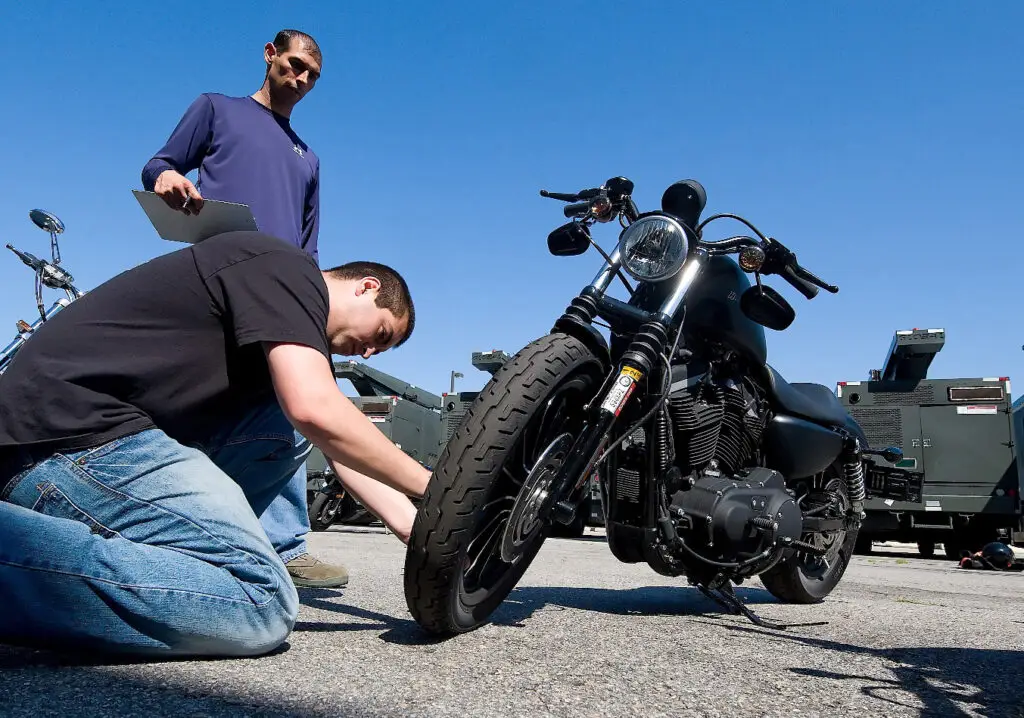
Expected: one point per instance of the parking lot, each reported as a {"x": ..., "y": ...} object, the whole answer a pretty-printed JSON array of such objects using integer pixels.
[{"x": 585, "y": 635}]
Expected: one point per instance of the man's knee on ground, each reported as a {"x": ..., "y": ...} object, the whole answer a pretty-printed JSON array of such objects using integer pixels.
[{"x": 253, "y": 632}]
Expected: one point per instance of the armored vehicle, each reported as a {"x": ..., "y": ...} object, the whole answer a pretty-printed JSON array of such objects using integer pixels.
[{"x": 957, "y": 432}]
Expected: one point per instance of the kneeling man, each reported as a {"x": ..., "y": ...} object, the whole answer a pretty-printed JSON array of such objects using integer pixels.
[{"x": 145, "y": 427}]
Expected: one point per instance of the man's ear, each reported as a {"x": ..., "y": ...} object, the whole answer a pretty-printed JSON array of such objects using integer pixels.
[
  {"x": 269, "y": 52},
  {"x": 367, "y": 284}
]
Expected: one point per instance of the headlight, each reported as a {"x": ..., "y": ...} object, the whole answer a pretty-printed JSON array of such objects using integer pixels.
[{"x": 653, "y": 248}]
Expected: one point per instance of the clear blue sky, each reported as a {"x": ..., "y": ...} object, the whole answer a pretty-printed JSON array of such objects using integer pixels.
[{"x": 880, "y": 141}]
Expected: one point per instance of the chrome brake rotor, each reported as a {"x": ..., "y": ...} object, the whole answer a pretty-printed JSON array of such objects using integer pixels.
[{"x": 534, "y": 501}]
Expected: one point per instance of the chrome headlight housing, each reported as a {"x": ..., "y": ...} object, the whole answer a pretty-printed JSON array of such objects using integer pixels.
[{"x": 653, "y": 248}]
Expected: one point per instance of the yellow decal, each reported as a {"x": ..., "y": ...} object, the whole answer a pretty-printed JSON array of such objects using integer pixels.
[{"x": 634, "y": 374}]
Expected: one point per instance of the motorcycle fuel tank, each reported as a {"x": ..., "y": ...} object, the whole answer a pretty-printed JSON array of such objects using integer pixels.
[{"x": 713, "y": 310}]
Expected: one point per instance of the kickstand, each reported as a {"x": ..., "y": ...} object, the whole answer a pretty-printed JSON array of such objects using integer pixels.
[{"x": 725, "y": 597}]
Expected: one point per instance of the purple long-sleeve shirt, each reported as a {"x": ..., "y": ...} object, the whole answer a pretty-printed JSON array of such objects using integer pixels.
[{"x": 246, "y": 153}]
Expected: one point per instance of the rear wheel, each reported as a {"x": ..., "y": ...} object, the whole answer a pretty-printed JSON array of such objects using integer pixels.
[
  {"x": 487, "y": 507},
  {"x": 800, "y": 578}
]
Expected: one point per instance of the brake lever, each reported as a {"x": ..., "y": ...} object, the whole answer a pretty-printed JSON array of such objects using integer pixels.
[
  {"x": 831, "y": 288},
  {"x": 560, "y": 196}
]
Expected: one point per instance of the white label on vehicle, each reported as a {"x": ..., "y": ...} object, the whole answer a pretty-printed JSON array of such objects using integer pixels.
[
  {"x": 378, "y": 419},
  {"x": 889, "y": 502},
  {"x": 978, "y": 409},
  {"x": 621, "y": 390},
  {"x": 932, "y": 506}
]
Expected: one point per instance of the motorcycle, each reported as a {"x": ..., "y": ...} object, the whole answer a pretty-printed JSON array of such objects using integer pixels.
[
  {"x": 711, "y": 465},
  {"x": 48, "y": 274},
  {"x": 327, "y": 500}
]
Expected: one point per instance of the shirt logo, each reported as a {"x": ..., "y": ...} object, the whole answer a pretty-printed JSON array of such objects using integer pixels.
[{"x": 297, "y": 150}]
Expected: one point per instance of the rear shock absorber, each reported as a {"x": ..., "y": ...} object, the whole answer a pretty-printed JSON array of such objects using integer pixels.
[{"x": 853, "y": 472}]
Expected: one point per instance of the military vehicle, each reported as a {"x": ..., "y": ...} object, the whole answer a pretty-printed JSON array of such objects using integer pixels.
[
  {"x": 957, "y": 432},
  {"x": 406, "y": 414},
  {"x": 1018, "y": 448}
]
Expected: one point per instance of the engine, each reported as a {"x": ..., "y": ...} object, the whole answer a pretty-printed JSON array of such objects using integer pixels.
[
  {"x": 721, "y": 503},
  {"x": 718, "y": 422},
  {"x": 737, "y": 518}
]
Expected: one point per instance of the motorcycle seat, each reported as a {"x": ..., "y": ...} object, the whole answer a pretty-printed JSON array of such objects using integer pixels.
[{"x": 813, "y": 402}]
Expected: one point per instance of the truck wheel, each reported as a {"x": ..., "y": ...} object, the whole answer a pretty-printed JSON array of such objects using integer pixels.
[
  {"x": 952, "y": 548},
  {"x": 926, "y": 548}
]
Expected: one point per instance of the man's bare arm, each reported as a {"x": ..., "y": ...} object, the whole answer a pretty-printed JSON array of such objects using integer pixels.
[
  {"x": 309, "y": 396},
  {"x": 392, "y": 507}
]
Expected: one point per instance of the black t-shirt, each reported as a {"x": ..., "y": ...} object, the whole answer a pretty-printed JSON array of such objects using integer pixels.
[{"x": 173, "y": 343}]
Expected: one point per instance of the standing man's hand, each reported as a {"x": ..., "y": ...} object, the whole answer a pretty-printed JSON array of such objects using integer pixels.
[{"x": 178, "y": 192}]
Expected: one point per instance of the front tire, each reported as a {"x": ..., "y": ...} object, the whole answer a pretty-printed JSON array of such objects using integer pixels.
[
  {"x": 324, "y": 510},
  {"x": 455, "y": 576},
  {"x": 792, "y": 580}
]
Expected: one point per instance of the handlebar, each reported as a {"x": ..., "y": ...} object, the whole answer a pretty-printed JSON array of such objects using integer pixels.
[
  {"x": 778, "y": 260},
  {"x": 579, "y": 209},
  {"x": 606, "y": 202}
]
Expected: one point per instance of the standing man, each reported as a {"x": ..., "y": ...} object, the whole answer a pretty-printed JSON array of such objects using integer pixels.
[{"x": 247, "y": 152}]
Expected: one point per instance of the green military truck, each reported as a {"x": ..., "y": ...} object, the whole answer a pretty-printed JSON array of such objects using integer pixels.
[
  {"x": 958, "y": 432},
  {"x": 1018, "y": 444}
]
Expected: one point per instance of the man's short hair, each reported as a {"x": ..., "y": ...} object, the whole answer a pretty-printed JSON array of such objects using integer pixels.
[
  {"x": 283, "y": 41},
  {"x": 393, "y": 294}
]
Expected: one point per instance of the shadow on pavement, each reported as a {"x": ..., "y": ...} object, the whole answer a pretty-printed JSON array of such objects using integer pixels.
[
  {"x": 944, "y": 679},
  {"x": 37, "y": 683},
  {"x": 523, "y": 602}
]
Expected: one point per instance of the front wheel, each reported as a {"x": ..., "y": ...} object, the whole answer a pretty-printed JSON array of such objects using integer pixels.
[
  {"x": 800, "y": 578},
  {"x": 486, "y": 511},
  {"x": 324, "y": 510}
]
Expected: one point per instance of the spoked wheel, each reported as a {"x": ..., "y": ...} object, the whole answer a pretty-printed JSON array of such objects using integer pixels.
[
  {"x": 324, "y": 510},
  {"x": 487, "y": 509},
  {"x": 802, "y": 577}
]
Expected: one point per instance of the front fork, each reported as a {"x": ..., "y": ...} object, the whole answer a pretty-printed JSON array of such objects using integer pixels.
[{"x": 648, "y": 344}]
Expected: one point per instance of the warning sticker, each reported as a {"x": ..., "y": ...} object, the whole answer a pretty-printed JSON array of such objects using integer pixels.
[
  {"x": 634, "y": 374},
  {"x": 621, "y": 390},
  {"x": 978, "y": 409}
]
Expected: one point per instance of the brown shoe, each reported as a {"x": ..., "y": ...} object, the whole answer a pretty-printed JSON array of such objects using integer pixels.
[{"x": 307, "y": 571}]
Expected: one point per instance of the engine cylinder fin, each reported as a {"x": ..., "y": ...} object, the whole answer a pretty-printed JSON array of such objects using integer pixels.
[{"x": 627, "y": 484}]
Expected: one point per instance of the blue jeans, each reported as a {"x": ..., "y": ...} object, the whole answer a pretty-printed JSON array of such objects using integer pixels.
[
  {"x": 286, "y": 520},
  {"x": 145, "y": 546}
]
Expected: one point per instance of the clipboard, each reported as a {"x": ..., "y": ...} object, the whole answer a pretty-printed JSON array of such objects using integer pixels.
[{"x": 214, "y": 218}]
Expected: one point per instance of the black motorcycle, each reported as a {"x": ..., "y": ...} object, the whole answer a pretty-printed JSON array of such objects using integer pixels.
[{"x": 711, "y": 465}]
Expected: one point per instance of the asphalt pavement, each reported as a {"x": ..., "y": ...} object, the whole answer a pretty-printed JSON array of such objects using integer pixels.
[{"x": 585, "y": 635}]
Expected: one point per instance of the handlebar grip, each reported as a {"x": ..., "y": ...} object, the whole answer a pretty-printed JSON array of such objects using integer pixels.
[
  {"x": 790, "y": 274},
  {"x": 576, "y": 210}
]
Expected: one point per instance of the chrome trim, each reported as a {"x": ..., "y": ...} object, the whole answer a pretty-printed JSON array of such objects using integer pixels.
[
  {"x": 607, "y": 273},
  {"x": 691, "y": 270}
]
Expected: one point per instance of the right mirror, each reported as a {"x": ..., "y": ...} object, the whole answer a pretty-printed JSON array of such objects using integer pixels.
[
  {"x": 569, "y": 240},
  {"x": 764, "y": 305},
  {"x": 46, "y": 221}
]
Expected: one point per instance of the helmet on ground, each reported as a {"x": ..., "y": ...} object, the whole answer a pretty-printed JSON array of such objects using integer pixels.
[{"x": 998, "y": 554}]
